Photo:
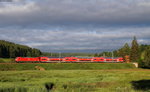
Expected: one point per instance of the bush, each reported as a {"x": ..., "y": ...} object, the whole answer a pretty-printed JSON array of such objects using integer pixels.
[
  {"x": 12, "y": 60},
  {"x": 146, "y": 60}
]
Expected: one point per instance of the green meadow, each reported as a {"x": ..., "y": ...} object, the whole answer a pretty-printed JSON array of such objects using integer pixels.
[
  {"x": 65, "y": 66},
  {"x": 73, "y": 77},
  {"x": 114, "y": 80}
]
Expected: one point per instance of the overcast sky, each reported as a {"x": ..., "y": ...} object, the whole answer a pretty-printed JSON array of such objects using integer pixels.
[{"x": 75, "y": 25}]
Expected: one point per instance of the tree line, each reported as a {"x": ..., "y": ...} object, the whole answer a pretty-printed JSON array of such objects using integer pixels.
[
  {"x": 137, "y": 53},
  {"x": 52, "y": 54},
  {"x": 12, "y": 50}
]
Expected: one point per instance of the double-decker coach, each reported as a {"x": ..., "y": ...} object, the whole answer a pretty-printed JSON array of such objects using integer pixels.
[{"x": 68, "y": 59}]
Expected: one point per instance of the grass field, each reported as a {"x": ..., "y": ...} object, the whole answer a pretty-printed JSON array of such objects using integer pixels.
[
  {"x": 124, "y": 80},
  {"x": 73, "y": 77},
  {"x": 65, "y": 66},
  {"x": 7, "y": 60}
]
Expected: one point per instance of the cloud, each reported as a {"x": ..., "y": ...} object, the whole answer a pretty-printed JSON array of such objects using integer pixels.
[
  {"x": 58, "y": 25},
  {"x": 64, "y": 12},
  {"x": 99, "y": 39}
]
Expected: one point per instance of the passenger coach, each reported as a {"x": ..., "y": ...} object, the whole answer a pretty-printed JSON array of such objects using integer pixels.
[{"x": 68, "y": 59}]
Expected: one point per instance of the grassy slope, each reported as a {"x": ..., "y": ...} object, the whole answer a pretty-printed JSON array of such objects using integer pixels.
[
  {"x": 6, "y": 60},
  {"x": 74, "y": 80},
  {"x": 67, "y": 66}
]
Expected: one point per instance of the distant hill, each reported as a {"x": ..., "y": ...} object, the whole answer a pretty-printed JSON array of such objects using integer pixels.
[{"x": 12, "y": 50}]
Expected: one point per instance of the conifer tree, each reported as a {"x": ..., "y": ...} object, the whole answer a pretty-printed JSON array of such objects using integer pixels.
[
  {"x": 0, "y": 52},
  {"x": 11, "y": 52},
  {"x": 135, "y": 54},
  {"x": 126, "y": 49}
]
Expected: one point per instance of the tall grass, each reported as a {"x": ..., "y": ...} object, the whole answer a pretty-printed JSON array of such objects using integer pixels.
[{"x": 66, "y": 66}]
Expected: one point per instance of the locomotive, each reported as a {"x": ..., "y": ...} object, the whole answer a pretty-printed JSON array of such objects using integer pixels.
[{"x": 67, "y": 59}]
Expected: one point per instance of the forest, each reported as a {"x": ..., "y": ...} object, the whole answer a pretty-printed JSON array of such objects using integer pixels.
[
  {"x": 12, "y": 50},
  {"x": 137, "y": 53}
]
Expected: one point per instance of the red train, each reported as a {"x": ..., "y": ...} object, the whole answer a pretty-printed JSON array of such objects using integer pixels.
[{"x": 68, "y": 59}]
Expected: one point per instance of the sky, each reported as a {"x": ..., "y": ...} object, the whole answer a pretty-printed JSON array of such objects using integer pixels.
[{"x": 75, "y": 25}]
